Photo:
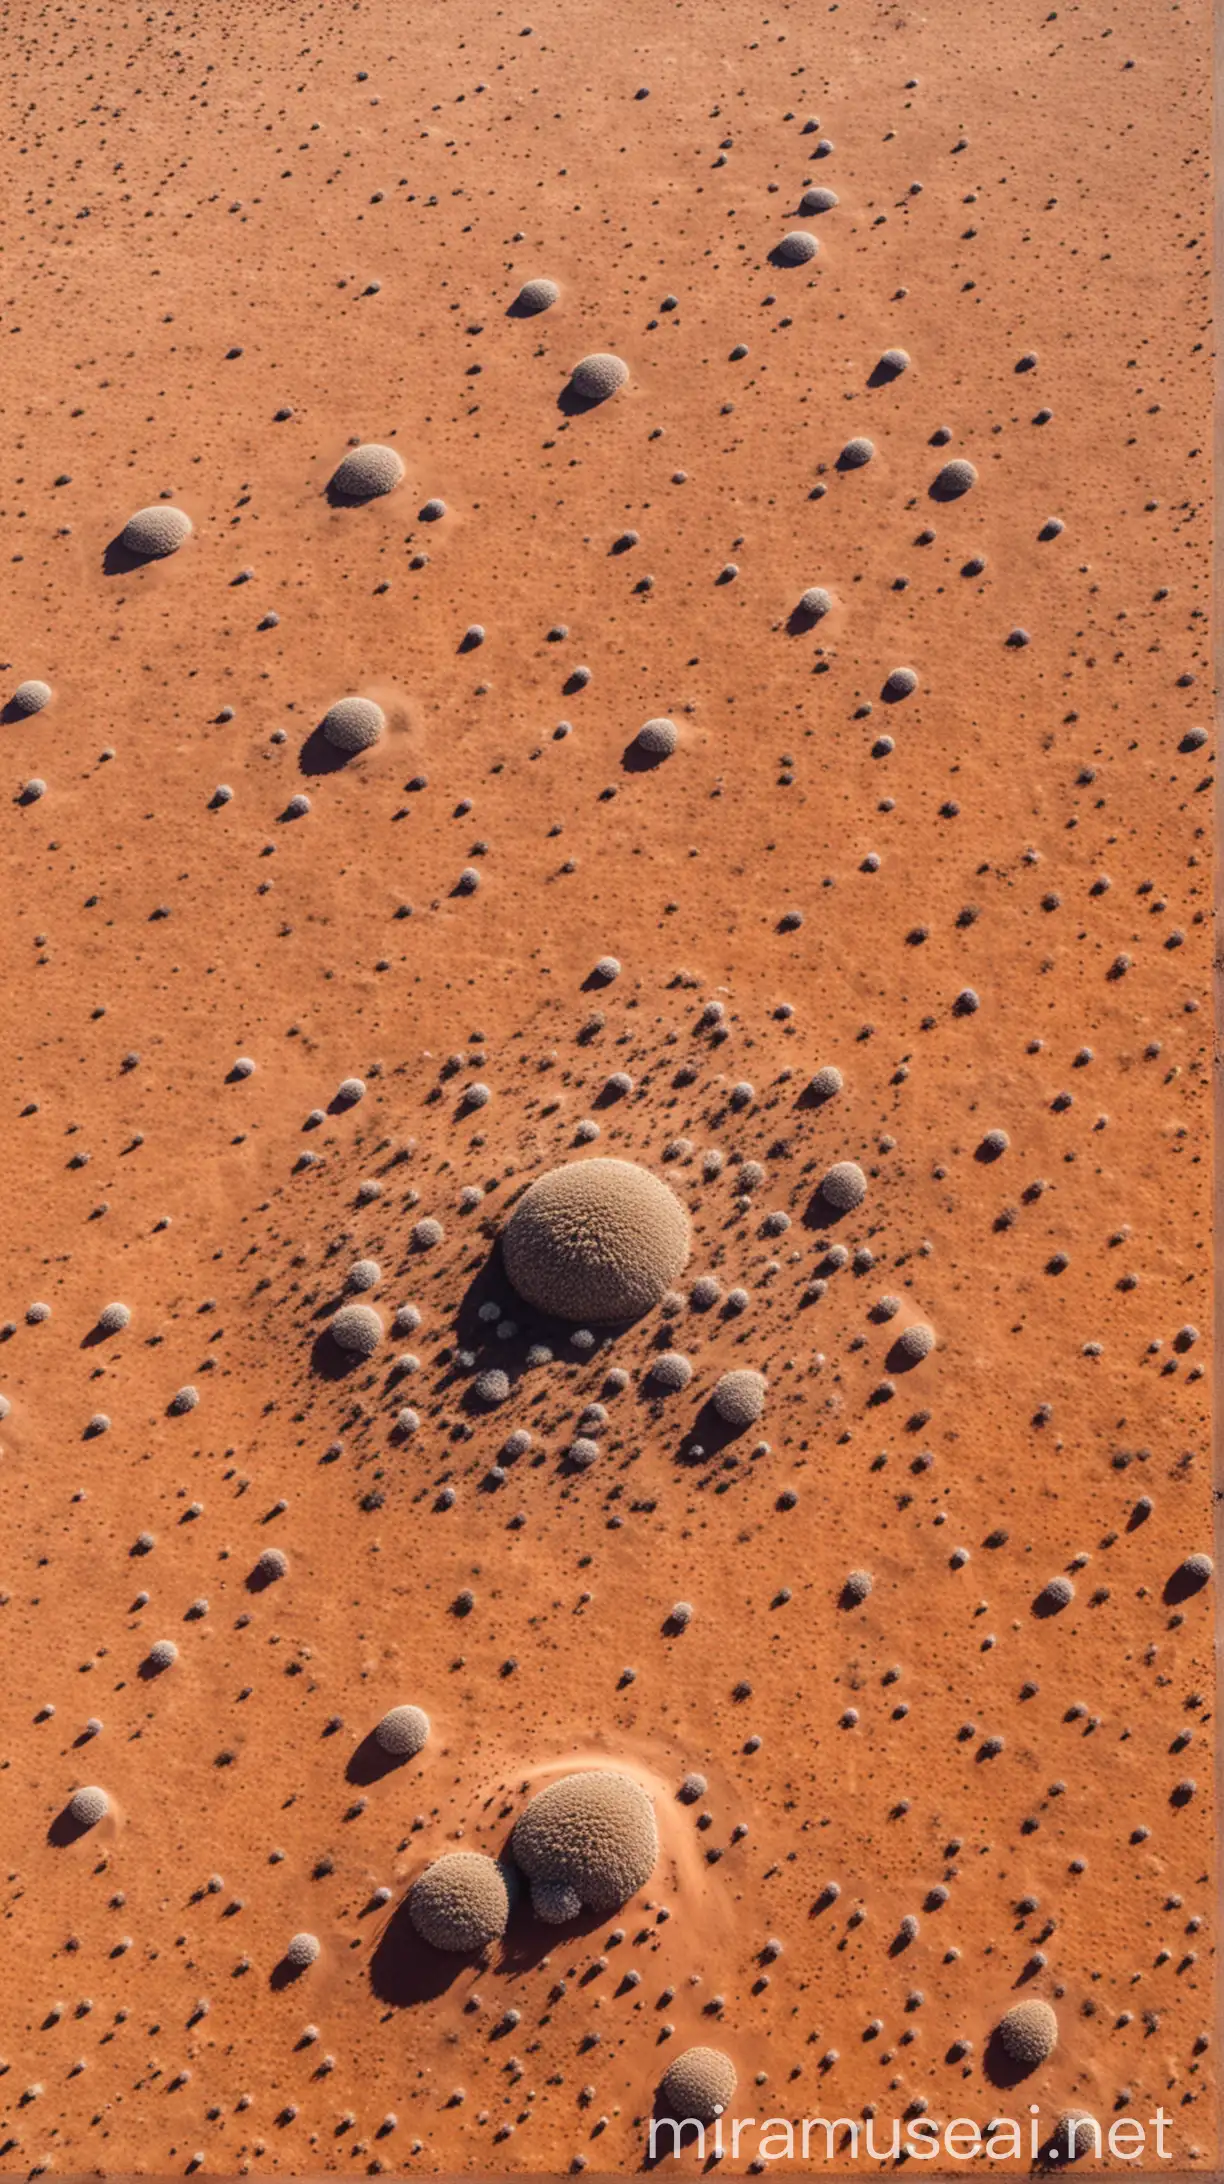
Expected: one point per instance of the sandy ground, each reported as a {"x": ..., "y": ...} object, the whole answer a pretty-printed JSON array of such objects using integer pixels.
[{"x": 235, "y": 240}]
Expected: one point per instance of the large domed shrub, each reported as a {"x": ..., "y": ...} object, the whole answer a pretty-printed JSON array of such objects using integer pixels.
[
  {"x": 596, "y": 1240},
  {"x": 461, "y": 1902},
  {"x": 589, "y": 1839}
]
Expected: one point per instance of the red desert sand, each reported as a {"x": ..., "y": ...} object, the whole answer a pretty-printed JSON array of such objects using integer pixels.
[{"x": 606, "y": 1175}]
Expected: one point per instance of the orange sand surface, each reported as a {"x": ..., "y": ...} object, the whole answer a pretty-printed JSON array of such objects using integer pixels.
[{"x": 236, "y": 241}]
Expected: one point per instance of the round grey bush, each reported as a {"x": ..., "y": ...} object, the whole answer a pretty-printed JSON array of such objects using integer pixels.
[
  {"x": 814, "y": 604},
  {"x": 302, "y": 1952},
  {"x": 826, "y": 1083},
  {"x": 692, "y": 1789},
  {"x": 367, "y": 472},
  {"x": 30, "y": 697},
  {"x": 1028, "y": 2033},
  {"x": 427, "y": 1233},
  {"x": 407, "y": 1319},
  {"x": 1059, "y": 1593},
  {"x": 857, "y": 1586},
  {"x": 461, "y": 1903},
  {"x": 739, "y": 1397},
  {"x": 353, "y": 724},
  {"x": 537, "y": 295},
  {"x": 243, "y": 1067},
  {"x": 658, "y": 738},
  {"x": 597, "y": 376},
  {"x": 272, "y": 1563},
  {"x": 956, "y": 477},
  {"x": 856, "y": 452},
  {"x": 589, "y": 1839},
  {"x": 1196, "y": 1571},
  {"x": 900, "y": 682},
  {"x": 671, "y": 1370},
  {"x": 185, "y": 1400},
  {"x": 797, "y": 248},
  {"x": 916, "y": 1342},
  {"x": 893, "y": 362},
  {"x": 433, "y": 510},
  {"x": 492, "y": 1387},
  {"x": 700, "y": 2085},
  {"x": 113, "y": 1318},
  {"x": 818, "y": 199},
  {"x": 152, "y": 533},
  {"x": 705, "y": 1293},
  {"x": 583, "y": 1452},
  {"x": 596, "y": 1240},
  {"x": 844, "y": 1186},
  {"x": 994, "y": 1144},
  {"x": 162, "y": 1654},
  {"x": 363, "y": 1274},
  {"x": 350, "y": 1090},
  {"x": 34, "y": 788},
  {"x": 1075, "y": 2134},
  {"x": 402, "y": 1732},
  {"x": 607, "y": 969},
  {"x": 88, "y": 1805},
  {"x": 358, "y": 1329}
]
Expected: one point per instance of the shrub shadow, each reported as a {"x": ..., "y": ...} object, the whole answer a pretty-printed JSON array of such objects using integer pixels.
[
  {"x": 405, "y": 1971},
  {"x": 119, "y": 560},
  {"x": 286, "y": 1974},
  {"x": 572, "y": 404},
  {"x": 1002, "y": 2070},
  {"x": 899, "y": 1360},
  {"x": 635, "y": 760},
  {"x": 318, "y": 756},
  {"x": 64, "y": 1829},
  {"x": 329, "y": 1360},
  {"x": 369, "y": 1763},
  {"x": 708, "y": 1436},
  {"x": 820, "y": 1212},
  {"x": 1182, "y": 1585}
]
